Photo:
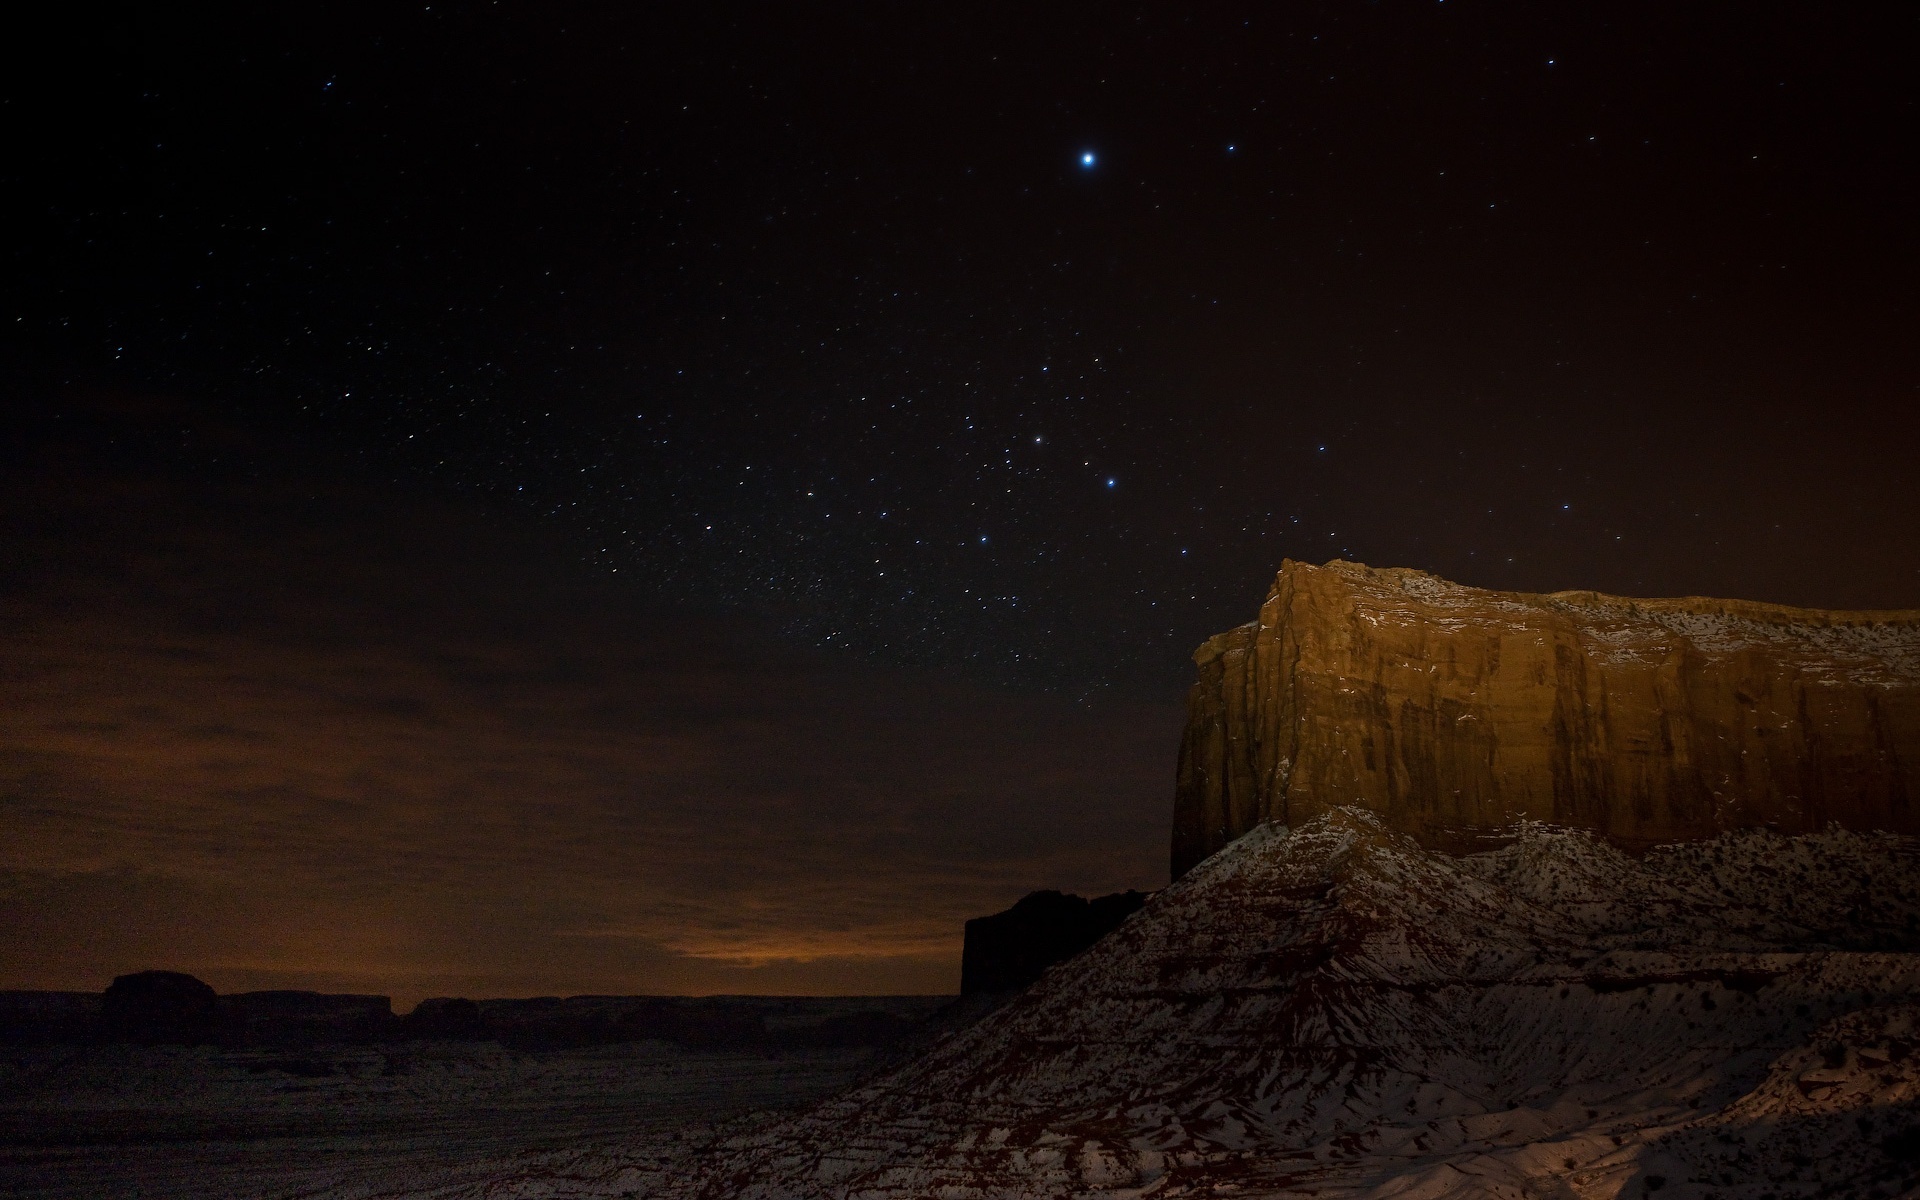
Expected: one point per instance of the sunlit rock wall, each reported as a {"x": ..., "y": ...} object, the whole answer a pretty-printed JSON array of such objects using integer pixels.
[{"x": 1452, "y": 711}]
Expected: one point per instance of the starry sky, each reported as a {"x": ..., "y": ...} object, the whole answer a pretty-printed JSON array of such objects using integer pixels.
[{"x": 788, "y": 371}]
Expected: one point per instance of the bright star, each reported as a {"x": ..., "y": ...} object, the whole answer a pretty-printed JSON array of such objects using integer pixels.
[{"x": 1086, "y": 159}]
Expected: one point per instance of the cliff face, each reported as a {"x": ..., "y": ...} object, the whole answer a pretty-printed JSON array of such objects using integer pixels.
[{"x": 1452, "y": 711}]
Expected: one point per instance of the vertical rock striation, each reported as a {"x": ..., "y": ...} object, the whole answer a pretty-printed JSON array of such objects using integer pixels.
[{"x": 1454, "y": 711}]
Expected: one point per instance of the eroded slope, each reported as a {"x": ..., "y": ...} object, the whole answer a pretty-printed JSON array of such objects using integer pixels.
[{"x": 1338, "y": 1008}]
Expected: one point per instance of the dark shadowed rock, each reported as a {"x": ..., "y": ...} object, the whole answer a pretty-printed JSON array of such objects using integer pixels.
[
  {"x": 1010, "y": 949},
  {"x": 161, "y": 1007},
  {"x": 293, "y": 1018},
  {"x": 445, "y": 1018}
]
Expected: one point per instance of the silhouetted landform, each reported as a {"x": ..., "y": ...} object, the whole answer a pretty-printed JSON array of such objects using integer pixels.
[
  {"x": 1335, "y": 1009},
  {"x": 295, "y": 1018},
  {"x": 167, "y": 1007},
  {"x": 49, "y": 1018},
  {"x": 1453, "y": 711},
  {"x": 1009, "y": 950},
  {"x": 152, "y": 1008},
  {"x": 445, "y": 1018}
]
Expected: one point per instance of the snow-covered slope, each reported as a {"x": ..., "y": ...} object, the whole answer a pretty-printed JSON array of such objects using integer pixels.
[{"x": 1334, "y": 1010}]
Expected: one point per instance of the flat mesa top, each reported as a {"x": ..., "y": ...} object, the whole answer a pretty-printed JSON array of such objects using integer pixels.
[{"x": 1877, "y": 647}]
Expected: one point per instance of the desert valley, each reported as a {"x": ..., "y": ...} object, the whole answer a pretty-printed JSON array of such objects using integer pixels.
[{"x": 1478, "y": 895}]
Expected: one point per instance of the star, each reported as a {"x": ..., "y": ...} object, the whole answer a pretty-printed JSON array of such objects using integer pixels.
[{"x": 1087, "y": 159}]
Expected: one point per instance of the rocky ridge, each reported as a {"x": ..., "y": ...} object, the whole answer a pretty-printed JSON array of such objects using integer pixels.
[
  {"x": 1335, "y": 1010},
  {"x": 1453, "y": 710}
]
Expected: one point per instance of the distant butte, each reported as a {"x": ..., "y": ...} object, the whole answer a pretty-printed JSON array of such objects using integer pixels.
[
  {"x": 1009, "y": 950},
  {"x": 1453, "y": 712}
]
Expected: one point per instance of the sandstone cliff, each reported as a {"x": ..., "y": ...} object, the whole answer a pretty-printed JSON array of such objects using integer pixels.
[{"x": 1452, "y": 711}]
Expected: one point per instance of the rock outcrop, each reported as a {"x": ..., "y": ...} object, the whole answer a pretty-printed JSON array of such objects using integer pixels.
[
  {"x": 1009, "y": 950},
  {"x": 1453, "y": 711},
  {"x": 445, "y": 1018},
  {"x": 1336, "y": 1010},
  {"x": 162, "y": 1007}
]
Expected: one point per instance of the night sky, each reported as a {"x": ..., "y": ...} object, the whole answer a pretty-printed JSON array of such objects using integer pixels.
[{"x": 508, "y": 498}]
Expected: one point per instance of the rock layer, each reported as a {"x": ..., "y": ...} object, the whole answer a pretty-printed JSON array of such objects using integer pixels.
[
  {"x": 1336, "y": 1011},
  {"x": 1454, "y": 711}
]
